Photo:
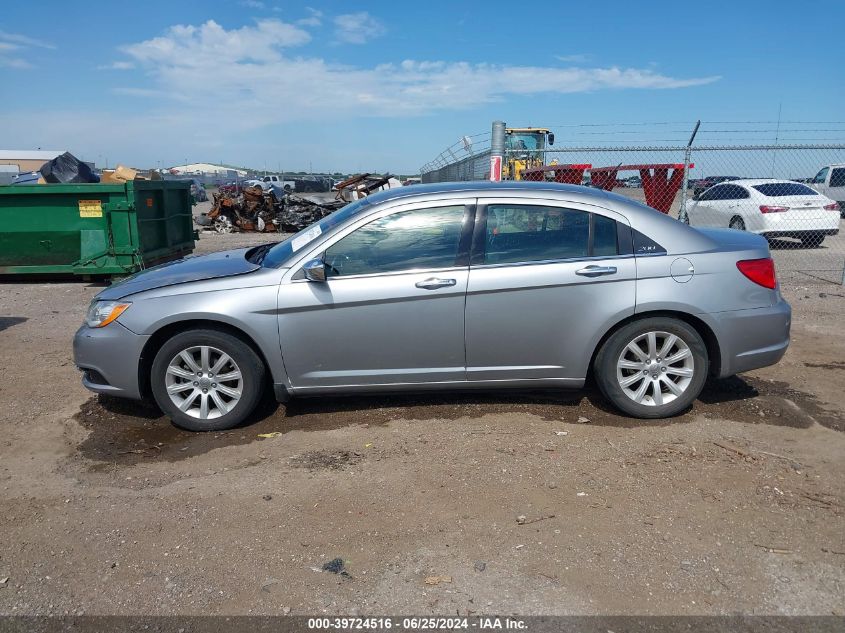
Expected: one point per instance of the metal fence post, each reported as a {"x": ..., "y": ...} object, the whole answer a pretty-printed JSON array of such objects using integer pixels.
[
  {"x": 687, "y": 154},
  {"x": 497, "y": 150}
]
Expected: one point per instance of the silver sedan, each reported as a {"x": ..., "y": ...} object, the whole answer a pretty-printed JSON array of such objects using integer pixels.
[{"x": 448, "y": 286}]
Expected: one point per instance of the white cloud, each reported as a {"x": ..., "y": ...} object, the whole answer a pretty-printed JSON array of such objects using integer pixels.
[
  {"x": 237, "y": 80},
  {"x": 117, "y": 66},
  {"x": 254, "y": 79},
  {"x": 357, "y": 28},
  {"x": 315, "y": 18},
  {"x": 14, "y": 62},
  {"x": 577, "y": 58},
  {"x": 253, "y": 4},
  {"x": 141, "y": 92},
  {"x": 19, "y": 44},
  {"x": 210, "y": 46},
  {"x": 24, "y": 40}
]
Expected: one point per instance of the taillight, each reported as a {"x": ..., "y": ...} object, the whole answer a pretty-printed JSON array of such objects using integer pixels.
[
  {"x": 760, "y": 271},
  {"x": 833, "y": 206},
  {"x": 772, "y": 208}
]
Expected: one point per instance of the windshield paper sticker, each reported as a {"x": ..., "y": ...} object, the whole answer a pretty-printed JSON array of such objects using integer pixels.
[{"x": 301, "y": 240}]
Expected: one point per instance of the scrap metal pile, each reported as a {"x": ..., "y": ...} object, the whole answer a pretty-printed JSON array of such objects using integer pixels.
[
  {"x": 274, "y": 210},
  {"x": 254, "y": 209}
]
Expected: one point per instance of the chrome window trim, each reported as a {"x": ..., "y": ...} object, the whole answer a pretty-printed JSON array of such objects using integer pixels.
[
  {"x": 394, "y": 273},
  {"x": 546, "y": 262}
]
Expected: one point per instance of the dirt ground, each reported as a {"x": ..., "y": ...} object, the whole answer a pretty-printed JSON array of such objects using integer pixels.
[{"x": 523, "y": 503}]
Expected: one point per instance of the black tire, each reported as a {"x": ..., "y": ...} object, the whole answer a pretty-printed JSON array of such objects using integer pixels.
[
  {"x": 605, "y": 367},
  {"x": 813, "y": 240},
  {"x": 737, "y": 223},
  {"x": 249, "y": 364}
]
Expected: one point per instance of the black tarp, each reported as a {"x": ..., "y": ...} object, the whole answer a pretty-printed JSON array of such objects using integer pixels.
[{"x": 67, "y": 168}]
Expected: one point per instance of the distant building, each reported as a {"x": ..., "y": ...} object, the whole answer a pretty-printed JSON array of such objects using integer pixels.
[
  {"x": 207, "y": 168},
  {"x": 27, "y": 160}
]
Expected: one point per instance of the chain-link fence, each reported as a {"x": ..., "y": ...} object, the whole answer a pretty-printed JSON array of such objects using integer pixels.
[{"x": 790, "y": 189}]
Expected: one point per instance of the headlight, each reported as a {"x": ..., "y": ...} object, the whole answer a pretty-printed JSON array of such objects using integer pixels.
[{"x": 101, "y": 313}]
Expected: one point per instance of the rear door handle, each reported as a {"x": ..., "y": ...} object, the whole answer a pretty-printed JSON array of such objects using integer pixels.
[
  {"x": 596, "y": 271},
  {"x": 434, "y": 283}
]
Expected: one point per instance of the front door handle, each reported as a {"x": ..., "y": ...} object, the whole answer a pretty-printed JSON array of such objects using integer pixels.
[
  {"x": 596, "y": 271},
  {"x": 434, "y": 283}
]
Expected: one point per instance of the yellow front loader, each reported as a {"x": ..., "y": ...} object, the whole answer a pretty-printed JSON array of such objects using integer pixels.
[{"x": 524, "y": 149}]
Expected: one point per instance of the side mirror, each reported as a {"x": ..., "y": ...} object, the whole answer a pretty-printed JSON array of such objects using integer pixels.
[
  {"x": 551, "y": 138},
  {"x": 315, "y": 270}
]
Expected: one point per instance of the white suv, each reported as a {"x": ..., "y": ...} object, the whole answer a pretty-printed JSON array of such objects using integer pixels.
[{"x": 830, "y": 182}]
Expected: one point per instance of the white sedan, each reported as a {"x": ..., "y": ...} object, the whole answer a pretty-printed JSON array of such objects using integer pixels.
[{"x": 772, "y": 208}]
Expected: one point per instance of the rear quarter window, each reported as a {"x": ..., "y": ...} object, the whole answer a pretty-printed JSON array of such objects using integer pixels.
[
  {"x": 644, "y": 245},
  {"x": 779, "y": 189}
]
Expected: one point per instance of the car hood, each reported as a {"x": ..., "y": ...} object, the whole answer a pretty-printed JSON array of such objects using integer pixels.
[{"x": 180, "y": 271}]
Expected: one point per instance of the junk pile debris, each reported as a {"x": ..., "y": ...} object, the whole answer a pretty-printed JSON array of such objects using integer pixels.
[
  {"x": 254, "y": 209},
  {"x": 121, "y": 174},
  {"x": 362, "y": 185}
]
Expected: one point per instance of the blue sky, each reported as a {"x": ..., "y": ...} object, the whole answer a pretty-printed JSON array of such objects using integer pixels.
[{"x": 383, "y": 86}]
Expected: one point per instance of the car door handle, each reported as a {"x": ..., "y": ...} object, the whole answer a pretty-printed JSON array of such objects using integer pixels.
[
  {"x": 596, "y": 271},
  {"x": 434, "y": 283}
]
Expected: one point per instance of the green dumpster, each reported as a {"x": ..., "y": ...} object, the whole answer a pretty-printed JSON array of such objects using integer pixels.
[{"x": 94, "y": 229}]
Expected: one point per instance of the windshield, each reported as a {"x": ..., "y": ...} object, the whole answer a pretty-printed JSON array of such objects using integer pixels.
[
  {"x": 525, "y": 142},
  {"x": 282, "y": 251}
]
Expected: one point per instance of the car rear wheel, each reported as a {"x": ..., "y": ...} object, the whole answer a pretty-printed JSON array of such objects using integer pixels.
[
  {"x": 737, "y": 224},
  {"x": 812, "y": 240},
  {"x": 207, "y": 380},
  {"x": 653, "y": 368}
]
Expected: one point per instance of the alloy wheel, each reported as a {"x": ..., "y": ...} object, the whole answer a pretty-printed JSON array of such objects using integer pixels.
[
  {"x": 655, "y": 368},
  {"x": 204, "y": 382}
]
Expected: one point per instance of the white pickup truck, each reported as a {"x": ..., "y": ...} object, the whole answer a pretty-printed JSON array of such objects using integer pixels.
[
  {"x": 273, "y": 182},
  {"x": 830, "y": 182}
]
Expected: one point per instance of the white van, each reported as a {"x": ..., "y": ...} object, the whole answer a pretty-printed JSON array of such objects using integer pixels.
[{"x": 830, "y": 182}]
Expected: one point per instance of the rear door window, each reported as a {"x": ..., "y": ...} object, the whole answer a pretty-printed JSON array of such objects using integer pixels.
[
  {"x": 528, "y": 233},
  {"x": 837, "y": 178},
  {"x": 714, "y": 193},
  {"x": 734, "y": 192}
]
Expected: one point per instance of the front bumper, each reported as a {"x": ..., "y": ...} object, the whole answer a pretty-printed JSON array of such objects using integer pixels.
[
  {"x": 750, "y": 339},
  {"x": 109, "y": 358}
]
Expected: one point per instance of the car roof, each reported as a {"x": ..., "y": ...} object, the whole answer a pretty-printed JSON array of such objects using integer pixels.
[
  {"x": 481, "y": 187},
  {"x": 750, "y": 182}
]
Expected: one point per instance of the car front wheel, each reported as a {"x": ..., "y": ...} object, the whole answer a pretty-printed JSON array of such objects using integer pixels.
[
  {"x": 653, "y": 368},
  {"x": 207, "y": 380}
]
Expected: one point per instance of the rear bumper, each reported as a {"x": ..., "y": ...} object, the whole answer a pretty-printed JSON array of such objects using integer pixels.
[
  {"x": 750, "y": 339},
  {"x": 799, "y": 234},
  {"x": 108, "y": 358}
]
